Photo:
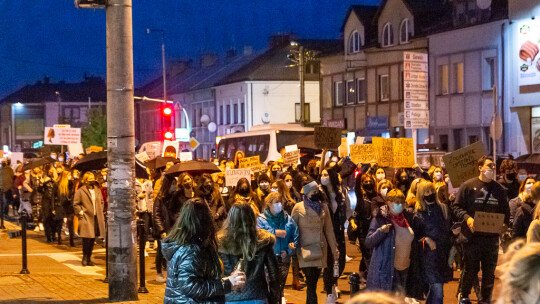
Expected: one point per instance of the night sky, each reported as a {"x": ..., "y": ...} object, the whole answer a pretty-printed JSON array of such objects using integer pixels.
[{"x": 52, "y": 38}]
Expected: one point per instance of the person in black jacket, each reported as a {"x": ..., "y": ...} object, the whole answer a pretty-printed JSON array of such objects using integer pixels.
[
  {"x": 524, "y": 217},
  {"x": 484, "y": 194},
  {"x": 509, "y": 178},
  {"x": 194, "y": 271},
  {"x": 244, "y": 247},
  {"x": 209, "y": 192},
  {"x": 51, "y": 207}
]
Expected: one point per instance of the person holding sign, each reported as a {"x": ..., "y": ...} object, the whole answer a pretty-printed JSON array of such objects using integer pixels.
[{"x": 481, "y": 194}]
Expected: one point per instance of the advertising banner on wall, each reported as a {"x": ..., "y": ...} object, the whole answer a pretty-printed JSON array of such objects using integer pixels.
[{"x": 528, "y": 56}]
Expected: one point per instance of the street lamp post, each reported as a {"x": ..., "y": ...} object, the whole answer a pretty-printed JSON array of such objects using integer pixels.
[{"x": 148, "y": 31}]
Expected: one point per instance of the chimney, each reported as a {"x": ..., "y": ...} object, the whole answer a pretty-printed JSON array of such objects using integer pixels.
[
  {"x": 208, "y": 59},
  {"x": 280, "y": 40},
  {"x": 231, "y": 54},
  {"x": 248, "y": 50},
  {"x": 178, "y": 66}
]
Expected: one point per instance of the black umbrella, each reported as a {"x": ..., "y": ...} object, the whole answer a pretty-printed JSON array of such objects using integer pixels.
[
  {"x": 37, "y": 162},
  {"x": 193, "y": 167},
  {"x": 91, "y": 162},
  {"x": 140, "y": 170},
  {"x": 160, "y": 162}
]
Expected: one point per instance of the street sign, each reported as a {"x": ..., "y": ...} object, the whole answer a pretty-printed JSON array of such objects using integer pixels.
[
  {"x": 415, "y": 88},
  {"x": 417, "y": 114},
  {"x": 38, "y": 144},
  {"x": 194, "y": 144},
  {"x": 416, "y": 95},
  {"x": 415, "y": 66},
  {"x": 416, "y": 85},
  {"x": 416, "y": 105},
  {"x": 181, "y": 134},
  {"x": 415, "y": 76}
]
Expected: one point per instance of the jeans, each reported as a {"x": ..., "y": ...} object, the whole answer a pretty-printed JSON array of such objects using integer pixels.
[
  {"x": 480, "y": 251},
  {"x": 283, "y": 267},
  {"x": 312, "y": 277},
  {"x": 435, "y": 294}
]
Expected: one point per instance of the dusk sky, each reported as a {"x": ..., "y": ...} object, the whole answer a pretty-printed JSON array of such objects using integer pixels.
[{"x": 52, "y": 38}]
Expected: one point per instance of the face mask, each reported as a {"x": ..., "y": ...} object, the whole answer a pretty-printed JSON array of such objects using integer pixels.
[
  {"x": 315, "y": 196},
  {"x": 188, "y": 185},
  {"x": 289, "y": 184},
  {"x": 404, "y": 178},
  {"x": 438, "y": 176},
  {"x": 244, "y": 191},
  {"x": 522, "y": 177},
  {"x": 447, "y": 180},
  {"x": 60, "y": 159},
  {"x": 367, "y": 187},
  {"x": 384, "y": 191},
  {"x": 274, "y": 190},
  {"x": 380, "y": 176},
  {"x": 430, "y": 199},
  {"x": 511, "y": 176},
  {"x": 75, "y": 176},
  {"x": 528, "y": 188},
  {"x": 277, "y": 208},
  {"x": 325, "y": 180},
  {"x": 489, "y": 174},
  {"x": 274, "y": 173},
  {"x": 207, "y": 189},
  {"x": 397, "y": 208},
  {"x": 264, "y": 185}
]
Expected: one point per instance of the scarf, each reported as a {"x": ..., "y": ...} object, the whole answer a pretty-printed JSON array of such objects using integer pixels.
[
  {"x": 316, "y": 206},
  {"x": 400, "y": 220},
  {"x": 276, "y": 219}
]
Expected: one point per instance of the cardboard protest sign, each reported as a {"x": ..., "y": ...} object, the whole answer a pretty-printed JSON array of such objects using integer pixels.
[
  {"x": 385, "y": 151},
  {"x": 488, "y": 222},
  {"x": 232, "y": 176},
  {"x": 327, "y": 138},
  {"x": 249, "y": 162},
  {"x": 142, "y": 157},
  {"x": 75, "y": 149},
  {"x": 93, "y": 149},
  {"x": 291, "y": 158},
  {"x": 364, "y": 154},
  {"x": 403, "y": 152},
  {"x": 462, "y": 163}
]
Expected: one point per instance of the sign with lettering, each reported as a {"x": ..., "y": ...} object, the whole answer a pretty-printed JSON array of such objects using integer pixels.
[
  {"x": 343, "y": 150},
  {"x": 363, "y": 154},
  {"x": 232, "y": 176},
  {"x": 488, "y": 222},
  {"x": 291, "y": 158},
  {"x": 462, "y": 163},
  {"x": 92, "y": 149},
  {"x": 62, "y": 136},
  {"x": 75, "y": 149},
  {"x": 186, "y": 156},
  {"x": 403, "y": 152},
  {"x": 327, "y": 138},
  {"x": 335, "y": 123},
  {"x": 142, "y": 157},
  {"x": 385, "y": 149},
  {"x": 249, "y": 162},
  {"x": 415, "y": 90}
]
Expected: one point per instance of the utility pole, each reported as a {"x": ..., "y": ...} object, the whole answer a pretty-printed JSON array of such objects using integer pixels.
[
  {"x": 302, "y": 85},
  {"x": 121, "y": 152}
]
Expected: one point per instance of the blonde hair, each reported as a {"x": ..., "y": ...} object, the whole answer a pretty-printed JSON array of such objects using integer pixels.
[
  {"x": 272, "y": 198},
  {"x": 533, "y": 234},
  {"x": 421, "y": 204},
  {"x": 395, "y": 195},
  {"x": 86, "y": 176},
  {"x": 63, "y": 183},
  {"x": 375, "y": 298},
  {"x": 521, "y": 280}
]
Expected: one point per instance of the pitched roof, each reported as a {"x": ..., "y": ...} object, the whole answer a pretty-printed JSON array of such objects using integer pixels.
[
  {"x": 93, "y": 87},
  {"x": 365, "y": 14}
]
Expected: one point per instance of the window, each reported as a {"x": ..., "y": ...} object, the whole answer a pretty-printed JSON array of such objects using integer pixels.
[
  {"x": 195, "y": 118},
  {"x": 443, "y": 79},
  {"x": 354, "y": 42},
  {"x": 222, "y": 115},
  {"x": 242, "y": 112},
  {"x": 228, "y": 115},
  {"x": 338, "y": 93},
  {"x": 404, "y": 31},
  {"x": 489, "y": 73},
  {"x": 361, "y": 90},
  {"x": 297, "y": 112},
  {"x": 351, "y": 92},
  {"x": 384, "y": 88},
  {"x": 458, "y": 77},
  {"x": 71, "y": 113},
  {"x": 388, "y": 35},
  {"x": 235, "y": 114}
]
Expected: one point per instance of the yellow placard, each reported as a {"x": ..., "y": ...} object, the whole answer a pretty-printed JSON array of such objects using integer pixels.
[
  {"x": 403, "y": 152},
  {"x": 364, "y": 154},
  {"x": 249, "y": 162},
  {"x": 385, "y": 151}
]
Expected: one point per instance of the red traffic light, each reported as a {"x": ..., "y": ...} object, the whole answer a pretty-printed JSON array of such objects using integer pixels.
[
  {"x": 168, "y": 135},
  {"x": 167, "y": 111}
]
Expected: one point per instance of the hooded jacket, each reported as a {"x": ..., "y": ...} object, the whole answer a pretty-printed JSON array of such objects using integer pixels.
[
  {"x": 187, "y": 282},
  {"x": 281, "y": 221},
  {"x": 256, "y": 286}
]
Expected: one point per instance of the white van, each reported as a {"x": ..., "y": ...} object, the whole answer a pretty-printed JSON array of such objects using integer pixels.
[{"x": 265, "y": 141}]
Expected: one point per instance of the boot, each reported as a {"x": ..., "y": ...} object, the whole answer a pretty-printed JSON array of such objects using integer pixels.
[
  {"x": 89, "y": 262},
  {"x": 296, "y": 283},
  {"x": 84, "y": 261},
  {"x": 60, "y": 238}
]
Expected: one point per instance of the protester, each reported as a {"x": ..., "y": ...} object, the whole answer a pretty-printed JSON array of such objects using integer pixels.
[
  {"x": 533, "y": 234},
  {"x": 382, "y": 189},
  {"x": 65, "y": 198},
  {"x": 441, "y": 187},
  {"x": 145, "y": 205},
  {"x": 88, "y": 206},
  {"x": 243, "y": 192},
  {"x": 508, "y": 179},
  {"x": 517, "y": 201},
  {"x": 402, "y": 180},
  {"x": 524, "y": 217},
  {"x": 244, "y": 247},
  {"x": 276, "y": 169},
  {"x": 51, "y": 209},
  {"x": 277, "y": 221},
  {"x": 6, "y": 182},
  {"x": 480, "y": 193},
  {"x": 390, "y": 238},
  {"x": 316, "y": 234},
  {"x": 209, "y": 192},
  {"x": 264, "y": 187},
  {"x": 284, "y": 190},
  {"x": 32, "y": 184},
  {"x": 380, "y": 175},
  {"x": 431, "y": 225},
  {"x": 194, "y": 270}
]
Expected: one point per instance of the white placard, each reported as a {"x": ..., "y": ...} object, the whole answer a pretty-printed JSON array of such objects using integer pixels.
[
  {"x": 62, "y": 136},
  {"x": 170, "y": 148},
  {"x": 185, "y": 156},
  {"x": 291, "y": 148},
  {"x": 142, "y": 157},
  {"x": 16, "y": 156},
  {"x": 75, "y": 149},
  {"x": 232, "y": 176}
]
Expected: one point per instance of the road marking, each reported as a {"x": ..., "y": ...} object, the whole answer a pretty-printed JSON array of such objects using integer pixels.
[{"x": 74, "y": 262}]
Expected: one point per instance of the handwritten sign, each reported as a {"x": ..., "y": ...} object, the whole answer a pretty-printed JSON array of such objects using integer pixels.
[
  {"x": 385, "y": 151},
  {"x": 93, "y": 149},
  {"x": 403, "y": 152},
  {"x": 249, "y": 162},
  {"x": 62, "y": 136},
  {"x": 364, "y": 154},
  {"x": 488, "y": 222},
  {"x": 142, "y": 157},
  {"x": 327, "y": 138},
  {"x": 462, "y": 163},
  {"x": 291, "y": 158},
  {"x": 232, "y": 176}
]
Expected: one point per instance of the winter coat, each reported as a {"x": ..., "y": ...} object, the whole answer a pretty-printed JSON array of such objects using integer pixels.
[
  {"x": 6, "y": 178},
  {"x": 281, "y": 221},
  {"x": 87, "y": 224},
  {"x": 316, "y": 234},
  {"x": 523, "y": 219},
  {"x": 514, "y": 204},
  {"x": 33, "y": 183},
  {"x": 187, "y": 282},
  {"x": 66, "y": 201},
  {"x": 217, "y": 210},
  {"x": 50, "y": 201},
  {"x": 166, "y": 211},
  {"x": 257, "y": 287}
]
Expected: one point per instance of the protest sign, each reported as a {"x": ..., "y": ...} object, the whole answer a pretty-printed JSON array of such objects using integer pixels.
[
  {"x": 62, "y": 136},
  {"x": 359, "y": 140},
  {"x": 343, "y": 149},
  {"x": 402, "y": 153},
  {"x": 232, "y": 176},
  {"x": 385, "y": 151},
  {"x": 75, "y": 149},
  {"x": 291, "y": 158},
  {"x": 291, "y": 148},
  {"x": 15, "y": 157},
  {"x": 462, "y": 163},
  {"x": 488, "y": 222},
  {"x": 92, "y": 149},
  {"x": 327, "y": 138},
  {"x": 249, "y": 162},
  {"x": 142, "y": 157},
  {"x": 185, "y": 156},
  {"x": 170, "y": 148},
  {"x": 364, "y": 154}
]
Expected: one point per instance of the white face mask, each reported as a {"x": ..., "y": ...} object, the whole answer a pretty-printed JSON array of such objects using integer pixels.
[
  {"x": 489, "y": 174},
  {"x": 522, "y": 177},
  {"x": 380, "y": 176},
  {"x": 277, "y": 208},
  {"x": 384, "y": 191},
  {"x": 325, "y": 180},
  {"x": 289, "y": 184},
  {"x": 264, "y": 185},
  {"x": 437, "y": 176},
  {"x": 528, "y": 188}
]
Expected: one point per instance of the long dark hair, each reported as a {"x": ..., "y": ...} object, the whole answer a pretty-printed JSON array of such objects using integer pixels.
[
  {"x": 195, "y": 226},
  {"x": 239, "y": 232},
  {"x": 336, "y": 186},
  {"x": 216, "y": 195}
]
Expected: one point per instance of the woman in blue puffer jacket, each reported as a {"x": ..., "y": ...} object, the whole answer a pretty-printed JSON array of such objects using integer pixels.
[
  {"x": 194, "y": 272},
  {"x": 278, "y": 222}
]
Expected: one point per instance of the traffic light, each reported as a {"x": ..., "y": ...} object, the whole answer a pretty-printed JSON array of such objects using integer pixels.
[
  {"x": 167, "y": 111},
  {"x": 168, "y": 135},
  {"x": 167, "y": 120}
]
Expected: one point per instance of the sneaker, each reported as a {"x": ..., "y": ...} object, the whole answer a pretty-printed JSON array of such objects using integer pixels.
[
  {"x": 465, "y": 301},
  {"x": 348, "y": 258},
  {"x": 331, "y": 299},
  {"x": 41, "y": 227},
  {"x": 336, "y": 292},
  {"x": 36, "y": 229},
  {"x": 160, "y": 278},
  {"x": 283, "y": 300}
]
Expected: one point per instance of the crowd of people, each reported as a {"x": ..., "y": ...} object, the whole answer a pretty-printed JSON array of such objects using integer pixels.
[{"x": 236, "y": 244}]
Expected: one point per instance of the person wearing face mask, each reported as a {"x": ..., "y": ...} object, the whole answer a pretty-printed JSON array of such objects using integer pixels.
[
  {"x": 533, "y": 233},
  {"x": 88, "y": 206},
  {"x": 402, "y": 181},
  {"x": 243, "y": 192},
  {"x": 524, "y": 213},
  {"x": 276, "y": 170},
  {"x": 516, "y": 202},
  {"x": 209, "y": 192},
  {"x": 277, "y": 221},
  {"x": 380, "y": 175},
  {"x": 484, "y": 194},
  {"x": 441, "y": 187},
  {"x": 431, "y": 225},
  {"x": 390, "y": 237},
  {"x": 264, "y": 187},
  {"x": 509, "y": 177}
]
